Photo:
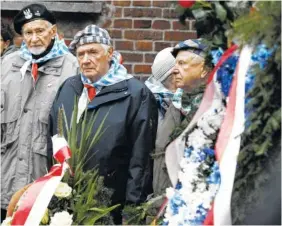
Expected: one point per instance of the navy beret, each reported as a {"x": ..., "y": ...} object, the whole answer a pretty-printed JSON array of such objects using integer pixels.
[
  {"x": 30, "y": 13},
  {"x": 192, "y": 45}
]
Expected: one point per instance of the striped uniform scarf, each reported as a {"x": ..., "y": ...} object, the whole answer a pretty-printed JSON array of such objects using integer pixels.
[
  {"x": 165, "y": 97},
  {"x": 116, "y": 74},
  {"x": 59, "y": 49}
]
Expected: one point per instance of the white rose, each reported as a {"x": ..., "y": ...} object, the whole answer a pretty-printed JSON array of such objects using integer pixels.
[
  {"x": 61, "y": 219},
  {"x": 63, "y": 190},
  {"x": 7, "y": 221}
]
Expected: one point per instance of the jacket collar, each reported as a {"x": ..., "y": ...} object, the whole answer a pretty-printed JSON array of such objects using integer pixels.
[
  {"x": 54, "y": 63},
  {"x": 114, "y": 92}
]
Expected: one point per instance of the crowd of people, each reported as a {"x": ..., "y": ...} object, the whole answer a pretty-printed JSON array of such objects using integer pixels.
[{"x": 40, "y": 75}]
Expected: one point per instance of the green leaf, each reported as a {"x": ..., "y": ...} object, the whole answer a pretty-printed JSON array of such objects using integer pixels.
[{"x": 220, "y": 12}]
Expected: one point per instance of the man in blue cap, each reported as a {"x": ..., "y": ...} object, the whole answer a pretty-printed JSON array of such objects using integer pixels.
[
  {"x": 190, "y": 74},
  {"x": 30, "y": 79}
]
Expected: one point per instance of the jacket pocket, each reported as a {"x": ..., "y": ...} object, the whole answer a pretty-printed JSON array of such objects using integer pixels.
[
  {"x": 9, "y": 121},
  {"x": 40, "y": 144}
]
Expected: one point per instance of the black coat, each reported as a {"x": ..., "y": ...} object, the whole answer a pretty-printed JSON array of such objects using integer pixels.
[{"x": 123, "y": 153}]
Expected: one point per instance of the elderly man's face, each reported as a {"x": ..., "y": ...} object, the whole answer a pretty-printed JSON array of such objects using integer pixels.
[
  {"x": 37, "y": 35},
  {"x": 93, "y": 60},
  {"x": 189, "y": 71}
]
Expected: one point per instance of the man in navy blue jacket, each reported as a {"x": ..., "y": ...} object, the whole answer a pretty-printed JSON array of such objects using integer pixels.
[{"x": 123, "y": 153}]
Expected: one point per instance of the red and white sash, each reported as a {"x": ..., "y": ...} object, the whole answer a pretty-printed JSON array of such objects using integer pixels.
[{"x": 34, "y": 202}]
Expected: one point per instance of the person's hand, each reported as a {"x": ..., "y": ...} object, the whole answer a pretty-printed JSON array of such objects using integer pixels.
[{"x": 14, "y": 200}]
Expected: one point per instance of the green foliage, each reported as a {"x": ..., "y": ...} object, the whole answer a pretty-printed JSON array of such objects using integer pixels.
[
  {"x": 90, "y": 201},
  {"x": 260, "y": 140},
  {"x": 261, "y": 23},
  {"x": 144, "y": 213}
]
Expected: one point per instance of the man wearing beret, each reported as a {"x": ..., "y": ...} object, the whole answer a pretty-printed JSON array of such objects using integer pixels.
[
  {"x": 30, "y": 79},
  {"x": 122, "y": 154}
]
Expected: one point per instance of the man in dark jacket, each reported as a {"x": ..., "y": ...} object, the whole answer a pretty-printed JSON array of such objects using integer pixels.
[{"x": 122, "y": 154}]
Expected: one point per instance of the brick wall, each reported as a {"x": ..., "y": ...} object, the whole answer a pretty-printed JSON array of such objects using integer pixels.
[{"x": 140, "y": 29}]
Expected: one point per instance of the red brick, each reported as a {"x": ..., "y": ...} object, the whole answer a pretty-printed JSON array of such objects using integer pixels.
[
  {"x": 115, "y": 33},
  {"x": 142, "y": 3},
  {"x": 124, "y": 45},
  {"x": 161, "y": 3},
  {"x": 179, "y": 35},
  {"x": 142, "y": 23},
  {"x": 121, "y": 3},
  {"x": 118, "y": 12},
  {"x": 178, "y": 26},
  {"x": 144, "y": 45},
  {"x": 132, "y": 57},
  {"x": 123, "y": 23},
  {"x": 143, "y": 35},
  {"x": 161, "y": 45},
  {"x": 161, "y": 24},
  {"x": 142, "y": 12},
  {"x": 128, "y": 67},
  {"x": 170, "y": 13},
  {"x": 149, "y": 57},
  {"x": 107, "y": 24},
  {"x": 142, "y": 69}
]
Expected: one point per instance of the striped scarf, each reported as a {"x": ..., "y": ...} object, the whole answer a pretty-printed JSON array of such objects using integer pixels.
[
  {"x": 59, "y": 49},
  {"x": 165, "y": 97},
  {"x": 116, "y": 74}
]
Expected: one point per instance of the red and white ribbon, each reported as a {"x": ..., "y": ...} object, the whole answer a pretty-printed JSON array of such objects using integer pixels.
[{"x": 33, "y": 203}]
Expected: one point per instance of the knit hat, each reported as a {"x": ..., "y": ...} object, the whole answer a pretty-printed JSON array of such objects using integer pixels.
[
  {"x": 163, "y": 64},
  {"x": 30, "y": 13},
  {"x": 193, "y": 45},
  {"x": 90, "y": 34}
]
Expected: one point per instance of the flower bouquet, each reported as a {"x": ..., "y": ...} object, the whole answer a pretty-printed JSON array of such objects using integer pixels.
[{"x": 66, "y": 195}]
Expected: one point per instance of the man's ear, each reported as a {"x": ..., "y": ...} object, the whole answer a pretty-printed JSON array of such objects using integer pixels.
[
  {"x": 204, "y": 73},
  {"x": 54, "y": 30},
  {"x": 110, "y": 53}
]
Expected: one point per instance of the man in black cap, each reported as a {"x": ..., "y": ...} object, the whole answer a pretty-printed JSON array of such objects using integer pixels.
[{"x": 30, "y": 79}]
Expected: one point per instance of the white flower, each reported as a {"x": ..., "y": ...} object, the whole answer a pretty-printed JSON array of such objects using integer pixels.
[
  {"x": 7, "y": 221},
  {"x": 63, "y": 190},
  {"x": 61, "y": 219},
  {"x": 170, "y": 192},
  {"x": 198, "y": 140}
]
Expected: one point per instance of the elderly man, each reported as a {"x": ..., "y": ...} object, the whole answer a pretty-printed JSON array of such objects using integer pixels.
[
  {"x": 122, "y": 154},
  {"x": 161, "y": 82},
  {"x": 190, "y": 75},
  {"x": 30, "y": 79}
]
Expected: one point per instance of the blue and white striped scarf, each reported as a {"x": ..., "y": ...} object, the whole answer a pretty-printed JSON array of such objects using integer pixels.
[
  {"x": 165, "y": 97},
  {"x": 116, "y": 74},
  {"x": 59, "y": 49}
]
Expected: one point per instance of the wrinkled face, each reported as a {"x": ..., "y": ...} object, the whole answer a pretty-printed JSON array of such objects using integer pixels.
[
  {"x": 37, "y": 35},
  {"x": 93, "y": 60},
  {"x": 3, "y": 45},
  {"x": 189, "y": 71}
]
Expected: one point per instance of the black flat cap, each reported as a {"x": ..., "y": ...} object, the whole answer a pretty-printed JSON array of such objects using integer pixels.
[{"x": 30, "y": 13}]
